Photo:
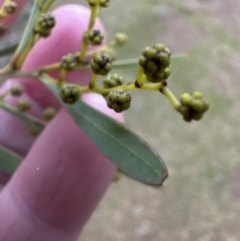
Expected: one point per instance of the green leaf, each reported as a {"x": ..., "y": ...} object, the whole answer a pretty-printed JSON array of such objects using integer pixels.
[
  {"x": 175, "y": 59},
  {"x": 123, "y": 147},
  {"x": 9, "y": 161},
  {"x": 8, "y": 50},
  {"x": 29, "y": 120}
]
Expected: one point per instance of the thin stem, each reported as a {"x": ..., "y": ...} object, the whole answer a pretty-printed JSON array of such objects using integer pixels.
[
  {"x": 171, "y": 97},
  {"x": 125, "y": 87},
  {"x": 62, "y": 77},
  {"x": 92, "y": 83},
  {"x": 93, "y": 16},
  {"x": 140, "y": 77},
  {"x": 47, "y": 5}
]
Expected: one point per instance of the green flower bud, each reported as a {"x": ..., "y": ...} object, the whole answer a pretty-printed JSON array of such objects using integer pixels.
[
  {"x": 197, "y": 105},
  {"x": 70, "y": 93},
  {"x": 206, "y": 105},
  {"x": 101, "y": 64},
  {"x": 49, "y": 113},
  {"x": 69, "y": 62},
  {"x": 16, "y": 90},
  {"x": 149, "y": 53},
  {"x": 10, "y": 7},
  {"x": 33, "y": 130},
  {"x": 113, "y": 80},
  {"x": 45, "y": 24},
  {"x": 93, "y": 37},
  {"x": 155, "y": 62},
  {"x": 197, "y": 95},
  {"x": 23, "y": 105},
  {"x": 120, "y": 39},
  {"x": 184, "y": 110},
  {"x": 185, "y": 99},
  {"x": 167, "y": 72},
  {"x": 119, "y": 100}
]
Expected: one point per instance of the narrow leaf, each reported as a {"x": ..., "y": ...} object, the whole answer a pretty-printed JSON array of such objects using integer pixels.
[
  {"x": 9, "y": 161},
  {"x": 123, "y": 147},
  {"x": 29, "y": 120}
]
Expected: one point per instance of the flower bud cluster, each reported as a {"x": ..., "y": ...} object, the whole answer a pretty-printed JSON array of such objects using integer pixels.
[
  {"x": 23, "y": 105},
  {"x": 49, "y": 113},
  {"x": 69, "y": 93},
  {"x": 193, "y": 106},
  {"x": 101, "y": 64},
  {"x": 155, "y": 62},
  {"x": 69, "y": 62},
  {"x": 118, "y": 100},
  {"x": 113, "y": 80},
  {"x": 10, "y": 7},
  {"x": 93, "y": 37},
  {"x": 45, "y": 24},
  {"x": 16, "y": 90},
  {"x": 120, "y": 39}
]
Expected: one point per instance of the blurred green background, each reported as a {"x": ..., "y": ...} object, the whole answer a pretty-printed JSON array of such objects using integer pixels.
[{"x": 200, "y": 200}]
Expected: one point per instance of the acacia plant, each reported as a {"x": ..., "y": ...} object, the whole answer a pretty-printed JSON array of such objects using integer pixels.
[{"x": 125, "y": 149}]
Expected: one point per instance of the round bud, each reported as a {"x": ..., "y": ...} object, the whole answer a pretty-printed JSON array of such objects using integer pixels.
[
  {"x": 69, "y": 93},
  {"x": 120, "y": 39},
  {"x": 93, "y": 37},
  {"x": 49, "y": 113},
  {"x": 185, "y": 99},
  {"x": 206, "y": 105},
  {"x": 119, "y": 100},
  {"x": 149, "y": 53},
  {"x": 197, "y": 105},
  {"x": 113, "y": 80},
  {"x": 167, "y": 72},
  {"x": 184, "y": 110},
  {"x": 197, "y": 95},
  {"x": 68, "y": 62},
  {"x": 23, "y": 105},
  {"x": 9, "y": 7},
  {"x": 33, "y": 130},
  {"x": 16, "y": 90},
  {"x": 101, "y": 64}
]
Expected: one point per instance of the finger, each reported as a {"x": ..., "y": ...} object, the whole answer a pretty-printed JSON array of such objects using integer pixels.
[
  {"x": 72, "y": 21},
  {"x": 57, "y": 187},
  {"x": 8, "y": 21}
]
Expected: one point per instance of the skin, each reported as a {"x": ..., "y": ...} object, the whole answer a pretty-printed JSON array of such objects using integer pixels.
[{"x": 63, "y": 176}]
